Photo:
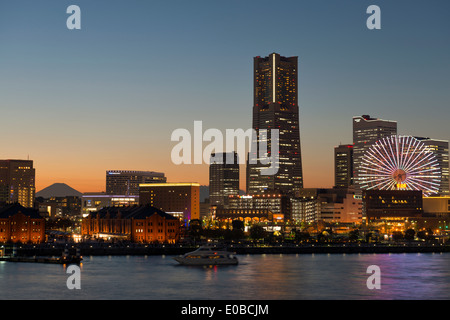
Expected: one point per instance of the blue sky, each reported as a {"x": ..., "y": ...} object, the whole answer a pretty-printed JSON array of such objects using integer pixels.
[{"x": 108, "y": 96}]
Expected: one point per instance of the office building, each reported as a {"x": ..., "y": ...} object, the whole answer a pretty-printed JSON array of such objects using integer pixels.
[
  {"x": 276, "y": 107},
  {"x": 181, "y": 200},
  {"x": 223, "y": 177},
  {"x": 440, "y": 149},
  {"x": 336, "y": 205},
  {"x": 343, "y": 166},
  {"x": 366, "y": 131},
  {"x": 126, "y": 182},
  {"x": 17, "y": 182}
]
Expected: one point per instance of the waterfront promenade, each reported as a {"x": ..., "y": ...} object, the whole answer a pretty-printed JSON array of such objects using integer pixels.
[{"x": 102, "y": 249}]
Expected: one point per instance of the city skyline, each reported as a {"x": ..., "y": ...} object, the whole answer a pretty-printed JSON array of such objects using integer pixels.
[{"x": 104, "y": 97}]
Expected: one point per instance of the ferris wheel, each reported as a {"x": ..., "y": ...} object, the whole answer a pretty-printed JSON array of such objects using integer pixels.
[{"x": 400, "y": 163}]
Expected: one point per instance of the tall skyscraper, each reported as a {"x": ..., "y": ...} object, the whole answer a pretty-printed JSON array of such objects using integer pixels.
[
  {"x": 223, "y": 177},
  {"x": 343, "y": 166},
  {"x": 126, "y": 182},
  {"x": 17, "y": 182},
  {"x": 366, "y": 131},
  {"x": 275, "y": 106},
  {"x": 440, "y": 149}
]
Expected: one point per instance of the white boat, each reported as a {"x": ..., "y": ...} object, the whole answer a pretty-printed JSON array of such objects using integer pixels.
[{"x": 207, "y": 255}]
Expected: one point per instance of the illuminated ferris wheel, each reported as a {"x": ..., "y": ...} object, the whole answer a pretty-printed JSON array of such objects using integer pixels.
[{"x": 400, "y": 163}]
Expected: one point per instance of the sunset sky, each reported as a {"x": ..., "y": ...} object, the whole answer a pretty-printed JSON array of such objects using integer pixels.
[{"x": 108, "y": 96}]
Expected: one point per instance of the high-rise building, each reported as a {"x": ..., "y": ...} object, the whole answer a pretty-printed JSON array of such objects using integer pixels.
[
  {"x": 275, "y": 106},
  {"x": 126, "y": 182},
  {"x": 367, "y": 131},
  {"x": 440, "y": 149},
  {"x": 17, "y": 182},
  {"x": 223, "y": 177},
  {"x": 343, "y": 166}
]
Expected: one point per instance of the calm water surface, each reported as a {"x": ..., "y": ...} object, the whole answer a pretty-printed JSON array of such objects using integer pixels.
[{"x": 257, "y": 277}]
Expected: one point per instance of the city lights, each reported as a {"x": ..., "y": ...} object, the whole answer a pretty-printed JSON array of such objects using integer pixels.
[{"x": 400, "y": 163}]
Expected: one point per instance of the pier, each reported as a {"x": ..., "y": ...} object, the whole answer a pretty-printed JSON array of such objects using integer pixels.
[{"x": 64, "y": 258}]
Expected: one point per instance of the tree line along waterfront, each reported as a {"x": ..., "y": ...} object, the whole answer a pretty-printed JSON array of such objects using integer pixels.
[
  {"x": 240, "y": 237},
  {"x": 252, "y": 240},
  {"x": 308, "y": 233},
  {"x": 102, "y": 249}
]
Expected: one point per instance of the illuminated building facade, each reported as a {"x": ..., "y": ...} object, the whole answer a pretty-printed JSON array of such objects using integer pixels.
[
  {"x": 139, "y": 224},
  {"x": 181, "y": 200},
  {"x": 17, "y": 182},
  {"x": 400, "y": 163},
  {"x": 275, "y": 106},
  {"x": 440, "y": 149},
  {"x": 19, "y": 224},
  {"x": 348, "y": 209},
  {"x": 270, "y": 206},
  {"x": 126, "y": 182},
  {"x": 366, "y": 131},
  {"x": 304, "y": 208},
  {"x": 336, "y": 205},
  {"x": 343, "y": 166},
  {"x": 248, "y": 215},
  {"x": 91, "y": 202},
  {"x": 223, "y": 177}
]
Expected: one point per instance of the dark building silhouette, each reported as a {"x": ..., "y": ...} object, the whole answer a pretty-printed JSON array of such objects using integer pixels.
[
  {"x": 343, "y": 166},
  {"x": 59, "y": 207},
  {"x": 392, "y": 205}
]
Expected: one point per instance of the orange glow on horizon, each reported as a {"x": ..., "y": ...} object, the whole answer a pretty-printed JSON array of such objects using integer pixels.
[{"x": 93, "y": 178}]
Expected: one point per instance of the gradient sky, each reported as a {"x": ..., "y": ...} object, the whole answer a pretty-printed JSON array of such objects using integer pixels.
[{"x": 108, "y": 96}]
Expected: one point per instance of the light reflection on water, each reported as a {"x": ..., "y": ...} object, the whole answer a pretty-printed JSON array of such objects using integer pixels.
[{"x": 258, "y": 277}]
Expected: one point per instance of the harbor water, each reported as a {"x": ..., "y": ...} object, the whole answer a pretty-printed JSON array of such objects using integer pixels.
[{"x": 257, "y": 277}]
